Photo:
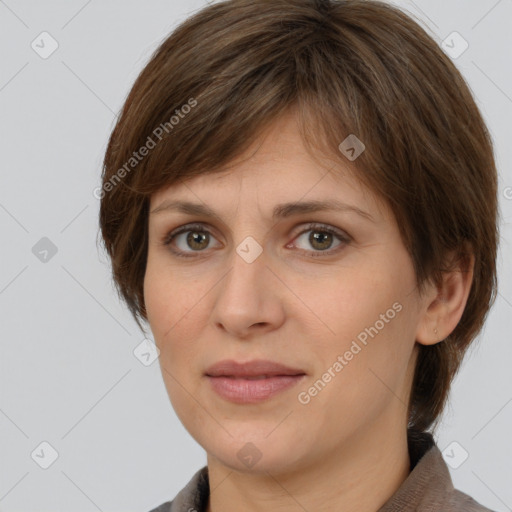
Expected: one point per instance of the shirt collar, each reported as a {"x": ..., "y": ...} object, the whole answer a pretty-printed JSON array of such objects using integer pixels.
[{"x": 429, "y": 482}]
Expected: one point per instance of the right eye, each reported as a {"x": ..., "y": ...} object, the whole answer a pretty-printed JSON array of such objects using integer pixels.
[{"x": 189, "y": 239}]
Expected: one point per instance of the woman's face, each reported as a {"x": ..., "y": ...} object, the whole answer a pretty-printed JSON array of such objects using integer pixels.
[{"x": 335, "y": 300}]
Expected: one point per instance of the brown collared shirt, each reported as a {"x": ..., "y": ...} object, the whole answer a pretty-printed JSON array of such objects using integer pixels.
[{"x": 428, "y": 488}]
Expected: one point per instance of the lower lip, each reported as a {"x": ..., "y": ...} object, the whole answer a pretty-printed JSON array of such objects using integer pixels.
[{"x": 245, "y": 391}]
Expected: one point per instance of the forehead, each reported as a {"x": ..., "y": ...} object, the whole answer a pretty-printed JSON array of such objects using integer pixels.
[{"x": 277, "y": 168}]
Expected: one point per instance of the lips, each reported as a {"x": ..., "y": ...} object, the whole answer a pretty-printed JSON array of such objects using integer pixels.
[
  {"x": 251, "y": 382},
  {"x": 251, "y": 370}
]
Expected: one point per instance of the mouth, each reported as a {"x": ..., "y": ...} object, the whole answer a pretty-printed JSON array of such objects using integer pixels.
[
  {"x": 259, "y": 377},
  {"x": 253, "y": 381},
  {"x": 251, "y": 390},
  {"x": 257, "y": 368}
]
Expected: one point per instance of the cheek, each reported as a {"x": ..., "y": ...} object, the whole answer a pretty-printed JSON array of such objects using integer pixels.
[
  {"x": 176, "y": 313},
  {"x": 157, "y": 301},
  {"x": 177, "y": 316},
  {"x": 375, "y": 351},
  {"x": 370, "y": 314},
  {"x": 353, "y": 300}
]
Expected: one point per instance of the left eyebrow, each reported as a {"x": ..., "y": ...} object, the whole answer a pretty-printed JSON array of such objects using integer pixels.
[
  {"x": 287, "y": 209},
  {"x": 280, "y": 211}
]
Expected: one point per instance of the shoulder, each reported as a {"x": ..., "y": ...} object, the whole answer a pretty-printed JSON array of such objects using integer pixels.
[
  {"x": 164, "y": 507},
  {"x": 460, "y": 502},
  {"x": 429, "y": 487},
  {"x": 193, "y": 497}
]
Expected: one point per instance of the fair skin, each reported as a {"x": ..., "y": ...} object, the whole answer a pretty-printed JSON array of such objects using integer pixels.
[{"x": 346, "y": 449}]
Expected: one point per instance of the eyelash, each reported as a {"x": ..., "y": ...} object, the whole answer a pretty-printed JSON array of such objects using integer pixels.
[{"x": 322, "y": 228}]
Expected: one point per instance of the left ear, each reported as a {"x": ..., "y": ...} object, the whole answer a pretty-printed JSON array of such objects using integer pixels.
[{"x": 443, "y": 305}]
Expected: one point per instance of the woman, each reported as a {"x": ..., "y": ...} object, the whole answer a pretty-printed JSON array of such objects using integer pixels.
[{"x": 299, "y": 197}]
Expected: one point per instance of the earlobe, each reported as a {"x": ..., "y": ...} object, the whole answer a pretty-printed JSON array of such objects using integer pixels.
[{"x": 444, "y": 305}]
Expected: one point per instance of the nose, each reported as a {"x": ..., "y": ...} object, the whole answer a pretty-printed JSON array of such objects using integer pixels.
[{"x": 249, "y": 298}]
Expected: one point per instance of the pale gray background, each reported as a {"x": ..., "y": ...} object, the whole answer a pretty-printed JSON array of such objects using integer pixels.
[{"x": 69, "y": 375}]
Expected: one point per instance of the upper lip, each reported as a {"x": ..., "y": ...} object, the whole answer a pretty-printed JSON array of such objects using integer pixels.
[{"x": 255, "y": 368}]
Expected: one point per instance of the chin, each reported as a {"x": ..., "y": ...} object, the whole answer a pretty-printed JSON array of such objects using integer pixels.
[{"x": 255, "y": 455}]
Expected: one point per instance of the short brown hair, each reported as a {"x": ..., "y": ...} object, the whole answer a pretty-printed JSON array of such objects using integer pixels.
[{"x": 357, "y": 67}]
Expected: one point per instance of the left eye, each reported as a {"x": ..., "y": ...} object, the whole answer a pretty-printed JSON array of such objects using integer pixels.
[{"x": 321, "y": 238}]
